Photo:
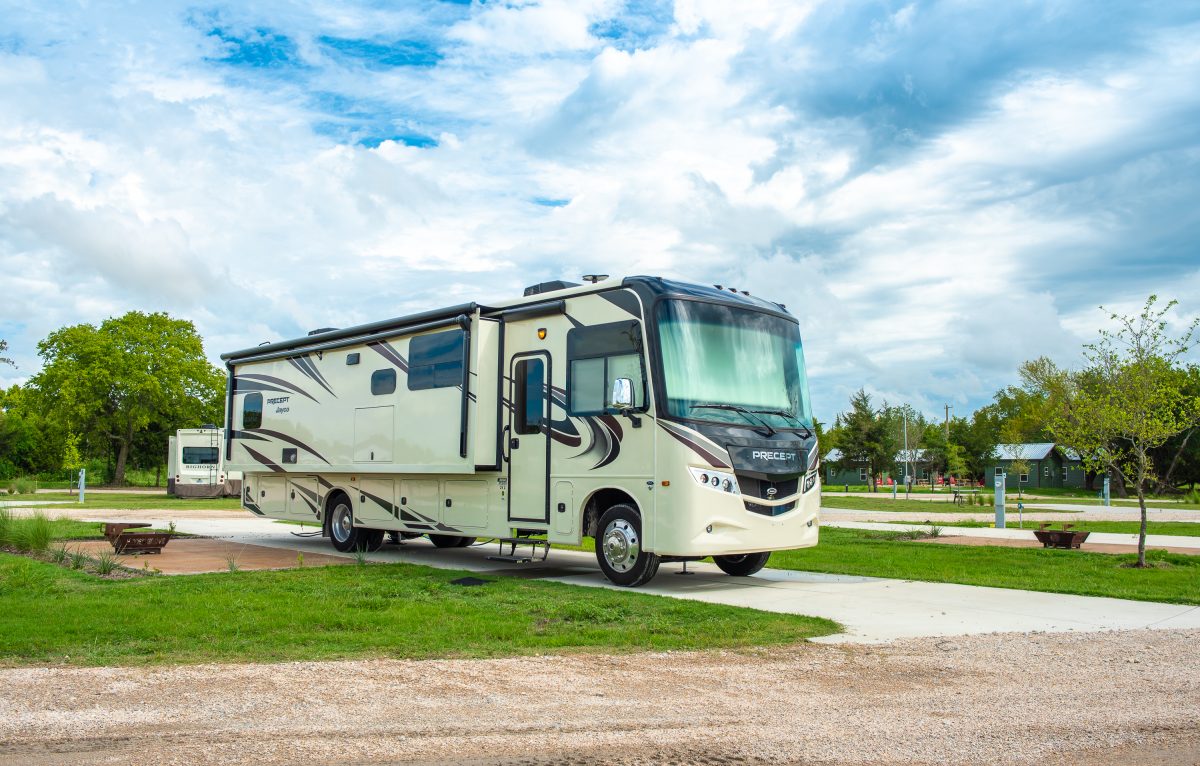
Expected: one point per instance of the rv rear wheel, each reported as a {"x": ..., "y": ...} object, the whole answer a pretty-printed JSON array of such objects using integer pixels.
[
  {"x": 342, "y": 532},
  {"x": 450, "y": 541},
  {"x": 370, "y": 540},
  {"x": 743, "y": 565},
  {"x": 619, "y": 548}
]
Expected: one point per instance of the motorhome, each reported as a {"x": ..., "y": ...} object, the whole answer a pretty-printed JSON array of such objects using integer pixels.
[
  {"x": 196, "y": 465},
  {"x": 668, "y": 421}
]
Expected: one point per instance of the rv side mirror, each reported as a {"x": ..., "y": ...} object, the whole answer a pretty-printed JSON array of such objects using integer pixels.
[{"x": 622, "y": 394}]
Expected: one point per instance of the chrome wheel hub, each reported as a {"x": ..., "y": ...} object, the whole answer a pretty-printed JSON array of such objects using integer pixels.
[
  {"x": 342, "y": 523},
  {"x": 621, "y": 545}
]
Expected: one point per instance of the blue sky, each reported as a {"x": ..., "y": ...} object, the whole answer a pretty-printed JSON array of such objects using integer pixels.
[{"x": 938, "y": 191}]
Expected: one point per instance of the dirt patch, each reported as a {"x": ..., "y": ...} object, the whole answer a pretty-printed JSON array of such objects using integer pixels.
[
  {"x": 199, "y": 555},
  {"x": 1003, "y": 542}
]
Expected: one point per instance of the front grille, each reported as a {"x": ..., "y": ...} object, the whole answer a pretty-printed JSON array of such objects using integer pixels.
[
  {"x": 758, "y": 487},
  {"x": 770, "y": 510}
]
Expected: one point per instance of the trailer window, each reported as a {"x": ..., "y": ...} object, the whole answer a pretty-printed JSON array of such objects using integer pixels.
[
  {"x": 201, "y": 455},
  {"x": 436, "y": 360},
  {"x": 530, "y": 399},
  {"x": 599, "y": 355},
  {"x": 383, "y": 382},
  {"x": 252, "y": 411}
]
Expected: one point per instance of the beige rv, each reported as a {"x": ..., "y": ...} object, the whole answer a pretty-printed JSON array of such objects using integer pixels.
[
  {"x": 668, "y": 421},
  {"x": 196, "y": 464}
]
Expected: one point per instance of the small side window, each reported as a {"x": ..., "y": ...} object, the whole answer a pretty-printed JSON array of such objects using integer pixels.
[
  {"x": 252, "y": 411},
  {"x": 383, "y": 382},
  {"x": 999, "y": 471},
  {"x": 530, "y": 400}
]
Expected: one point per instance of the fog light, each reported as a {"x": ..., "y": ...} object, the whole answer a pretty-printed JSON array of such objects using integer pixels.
[
  {"x": 716, "y": 481},
  {"x": 728, "y": 485},
  {"x": 703, "y": 478}
]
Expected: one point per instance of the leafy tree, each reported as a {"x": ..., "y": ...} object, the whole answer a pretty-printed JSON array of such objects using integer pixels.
[
  {"x": 110, "y": 383},
  {"x": 978, "y": 438},
  {"x": 4, "y": 359},
  {"x": 1127, "y": 403},
  {"x": 866, "y": 436}
]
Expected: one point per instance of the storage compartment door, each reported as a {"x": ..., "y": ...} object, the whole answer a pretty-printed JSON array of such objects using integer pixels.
[
  {"x": 374, "y": 434},
  {"x": 466, "y": 505}
]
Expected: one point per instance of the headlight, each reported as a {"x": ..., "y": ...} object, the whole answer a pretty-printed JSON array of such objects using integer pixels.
[{"x": 716, "y": 480}]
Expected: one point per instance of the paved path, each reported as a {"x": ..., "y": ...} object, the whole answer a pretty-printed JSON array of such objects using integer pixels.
[{"x": 872, "y": 609}]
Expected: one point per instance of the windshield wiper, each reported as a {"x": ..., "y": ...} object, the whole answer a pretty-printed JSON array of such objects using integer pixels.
[
  {"x": 741, "y": 411},
  {"x": 789, "y": 416}
]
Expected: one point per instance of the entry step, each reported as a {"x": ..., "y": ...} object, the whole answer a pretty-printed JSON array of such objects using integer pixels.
[{"x": 536, "y": 545}]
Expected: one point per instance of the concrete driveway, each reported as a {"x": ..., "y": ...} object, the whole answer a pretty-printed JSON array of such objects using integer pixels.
[{"x": 872, "y": 609}]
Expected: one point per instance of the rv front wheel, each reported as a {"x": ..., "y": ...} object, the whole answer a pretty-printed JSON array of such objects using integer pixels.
[
  {"x": 619, "y": 548},
  {"x": 743, "y": 565}
]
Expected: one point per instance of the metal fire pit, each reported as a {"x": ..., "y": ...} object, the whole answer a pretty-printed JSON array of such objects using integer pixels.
[
  {"x": 135, "y": 542},
  {"x": 1059, "y": 538}
]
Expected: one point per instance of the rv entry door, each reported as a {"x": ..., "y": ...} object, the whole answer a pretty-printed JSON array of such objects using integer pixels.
[{"x": 528, "y": 445}]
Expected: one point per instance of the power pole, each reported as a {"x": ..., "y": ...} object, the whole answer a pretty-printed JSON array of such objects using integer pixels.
[{"x": 948, "y": 408}]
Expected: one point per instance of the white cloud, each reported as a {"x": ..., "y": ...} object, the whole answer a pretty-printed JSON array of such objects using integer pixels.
[{"x": 138, "y": 172}]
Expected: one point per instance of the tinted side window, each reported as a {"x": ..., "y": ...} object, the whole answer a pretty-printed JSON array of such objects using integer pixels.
[
  {"x": 530, "y": 399},
  {"x": 599, "y": 355},
  {"x": 435, "y": 361},
  {"x": 252, "y": 411},
  {"x": 383, "y": 382}
]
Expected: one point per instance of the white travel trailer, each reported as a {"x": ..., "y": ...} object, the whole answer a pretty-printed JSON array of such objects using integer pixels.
[
  {"x": 668, "y": 421},
  {"x": 196, "y": 465}
]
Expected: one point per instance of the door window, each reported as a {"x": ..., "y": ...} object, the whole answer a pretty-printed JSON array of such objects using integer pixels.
[{"x": 530, "y": 398}]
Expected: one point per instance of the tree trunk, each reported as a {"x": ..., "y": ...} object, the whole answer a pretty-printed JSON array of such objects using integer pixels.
[
  {"x": 1142, "y": 532},
  {"x": 122, "y": 456}
]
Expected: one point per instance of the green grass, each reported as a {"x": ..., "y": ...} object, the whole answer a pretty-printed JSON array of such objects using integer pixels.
[
  {"x": 940, "y": 505},
  {"x": 1183, "y": 528},
  {"x": 1176, "y": 579},
  {"x": 53, "y": 615},
  {"x": 136, "y": 501}
]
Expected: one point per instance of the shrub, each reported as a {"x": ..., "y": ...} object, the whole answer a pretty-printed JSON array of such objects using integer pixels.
[
  {"x": 22, "y": 486},
  {"x": 32, "y": 533},
  {"x": 5, "y": 526},
  {"x": 106, "y": 562},
  {"x": 78, "y": 559},
  {"x": 58, "y": 554},
  {"x": 1193, "y": 496}
]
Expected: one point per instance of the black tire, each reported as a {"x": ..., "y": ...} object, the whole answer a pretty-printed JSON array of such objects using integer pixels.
[
  {"x": 370, "y": 540},
  {"x": 465, "y": 542},
  {"x": 743, "y": 565},
  {"x": 342, "y": 532},
  {"x": 619, "y": 548},
  {"x": 450, "y": 541}
]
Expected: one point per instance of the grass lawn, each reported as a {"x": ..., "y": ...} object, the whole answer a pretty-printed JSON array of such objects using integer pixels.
[
  {"x": 886, "y": 503},
  {"x": 1184, "y": 528},
  {"x": 1176, "y": 579},
  {"x": 1173, "y": 505},
  {"x": 134, "y": 501},
  {"x": 54, "y": 615}
]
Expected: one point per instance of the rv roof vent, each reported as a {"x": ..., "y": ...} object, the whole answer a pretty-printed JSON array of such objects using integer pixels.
[
  {"x": 594, "y": 278},
  {"x": 321, "y": 330},
  {"x": 549, "y": 287},
  {"x": 209, "y": 425}
]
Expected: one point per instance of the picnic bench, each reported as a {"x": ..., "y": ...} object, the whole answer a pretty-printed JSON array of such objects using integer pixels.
[{"x": 140, "y": 540}]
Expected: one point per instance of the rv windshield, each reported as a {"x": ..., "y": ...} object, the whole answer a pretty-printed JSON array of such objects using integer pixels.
[{"x": 749, "y": 364}]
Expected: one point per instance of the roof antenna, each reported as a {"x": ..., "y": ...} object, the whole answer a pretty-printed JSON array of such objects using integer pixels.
[{"x": 594, "y": 278}]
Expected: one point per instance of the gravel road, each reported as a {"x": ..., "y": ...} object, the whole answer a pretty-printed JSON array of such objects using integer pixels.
[{"x": 1062, "y": 699}]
